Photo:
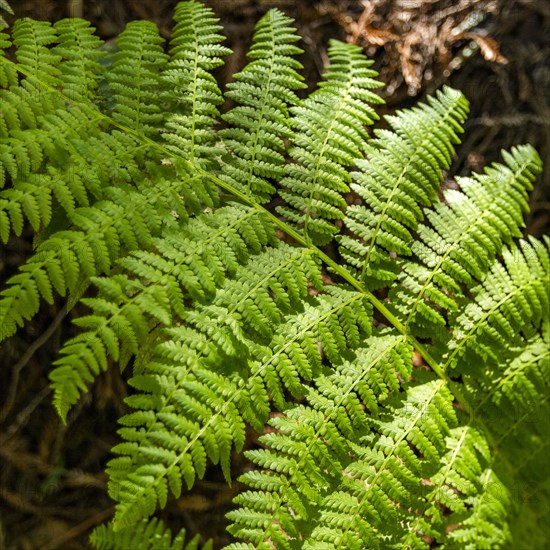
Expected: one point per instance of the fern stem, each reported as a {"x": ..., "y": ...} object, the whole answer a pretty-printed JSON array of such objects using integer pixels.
[
  {"x": 347, "y": 276},
  {"x": 304, "y": 241}
]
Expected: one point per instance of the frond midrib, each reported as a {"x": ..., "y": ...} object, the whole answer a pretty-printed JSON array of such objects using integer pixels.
[
  {"x": 262, "y": 109},
  {"x": 195, "y": 83},
  {"x": 320, "y": 156},
  {"x": 306, "y": 327}
]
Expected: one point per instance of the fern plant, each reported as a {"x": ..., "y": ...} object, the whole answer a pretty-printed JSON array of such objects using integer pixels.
[{"x": 196, "y": 242}]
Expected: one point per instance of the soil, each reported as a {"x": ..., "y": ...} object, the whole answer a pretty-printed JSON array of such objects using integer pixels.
[{"x": 52, "y": 485}]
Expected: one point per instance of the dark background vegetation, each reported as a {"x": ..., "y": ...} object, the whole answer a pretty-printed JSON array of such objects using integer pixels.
[{"x": 52, "y": 485}]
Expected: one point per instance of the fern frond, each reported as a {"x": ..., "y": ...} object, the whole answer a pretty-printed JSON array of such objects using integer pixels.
[
  {"x": 387, "y": 429},
  {"x": 401, "y": 174},
  {"x": 331, "y": 324},
  {"x": 127, "y": 219},
  {"x": 526, "y": 446},
  {"x": 486, "y": 524},
  {"x": 200, "y": 371},
  {"x": 329, "y": 136},
  {"x": 56, "y": 154},
  {"x": 30, "y": 199},
  {"x": 464, "y": 504},
  {"x": 465, "y": 234},
  {"x": 19, "y": 107},
  {"x": 523, "y": 448},
  {"x": 145, "y": 535},
  {"x": 66, "y": 260},
  {"x": 376, "y": 490},
  {"x": 4, "y": 5},
  {"x": 188, "y": 265},
  {"x": 304, "y": 462},
  {"x": 509, "y": 305},
  {"x": 8, "y": 73},
  {"x": 80, "y": 65},
  {"x": 194, "y": 94},
  {"x": 23, "y": 152},
  {"x": 263, "y": 91},
  {"x": 32, "y": 39},
  {"x": 505, "y": 391},
  {"x": 512, "y": 399},
  {"x": 134, "y": 78}
]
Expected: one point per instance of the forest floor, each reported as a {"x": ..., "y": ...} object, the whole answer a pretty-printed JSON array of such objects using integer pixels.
[{"x": 52, "y": 484}]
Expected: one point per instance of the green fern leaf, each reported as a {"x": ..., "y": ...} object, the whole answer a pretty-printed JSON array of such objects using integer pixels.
[
  {"x": 382, "y": 429},
  {"x": 80, "y": 65},
  {"x": 194, "y": 97},
  {"x": 146, "y": 535},
  {"x": 191, "y": 264},
  {"x": 306, "y": 460},
  {"x": 134, "y": 77},
  {"x": 200, "y": 407},
  {"x": 329, "y": 326},
  {"x": 402, "y": 172},
  {"x": 32, "y": 39},
  {"x": 126, "y": 222},
  {"x": 378, "y": 487},
  {"x": 464, "y": 492},
  {"x": 466, "y": 234},
  {"x": 313, "y": 187},
  {"x": 260, "y": 122},
  {"x": 8, "y": 74},
  {"x": 510, "y": 304}
]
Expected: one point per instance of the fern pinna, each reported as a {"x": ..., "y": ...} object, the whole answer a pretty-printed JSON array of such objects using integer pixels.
[{"x": 227, "y": 308}]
